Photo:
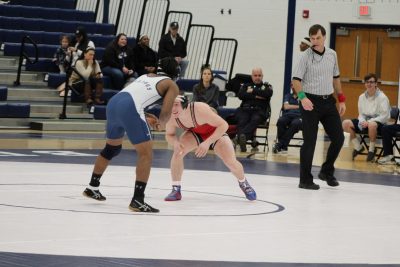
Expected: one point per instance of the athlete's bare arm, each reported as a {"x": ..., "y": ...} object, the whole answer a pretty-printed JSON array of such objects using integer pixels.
[{"x": 169, "y": 90}]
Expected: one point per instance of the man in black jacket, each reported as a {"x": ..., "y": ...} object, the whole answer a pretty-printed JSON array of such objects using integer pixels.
[
  {"x": 255, "y": 98},
  {"x": 173, "y": 45}
]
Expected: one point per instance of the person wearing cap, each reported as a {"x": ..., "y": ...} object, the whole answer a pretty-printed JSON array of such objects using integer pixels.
[
  {"x": 316, "y": 79},
  {"x": 173, "y": 45},
  {"x": 118, "y": 61},
  {"x": 125, "y": 114},
  {"x": 82, "y": 42},
  {"x": 145, "y": 58},
  {"x": 202, "y": 129},
  {"x": 305, "y": 44}
]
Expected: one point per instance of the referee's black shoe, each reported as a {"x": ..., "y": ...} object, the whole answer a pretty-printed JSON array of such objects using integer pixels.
[
  {"x": 140, "y": 206},
  {"x": 311, "y": 186},
  {"x": 330, "y": 179}
]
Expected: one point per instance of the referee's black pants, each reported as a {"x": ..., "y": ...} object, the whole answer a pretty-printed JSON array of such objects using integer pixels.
[{"x": 324, "y": 111}]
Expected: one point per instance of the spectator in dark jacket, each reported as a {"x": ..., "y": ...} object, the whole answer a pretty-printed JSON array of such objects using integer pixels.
[
  {"x": 145, "y": 57},
  {"x": 173, "y": 45},
  {"x": 81, "y": 43},
  {"x": 118, "y": 61},
  {"x": 255, "y": 98},
  {"x": 206, "y": 91}
]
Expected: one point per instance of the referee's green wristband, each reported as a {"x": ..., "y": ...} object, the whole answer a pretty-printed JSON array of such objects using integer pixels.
[{"x": 301, "y": 95}]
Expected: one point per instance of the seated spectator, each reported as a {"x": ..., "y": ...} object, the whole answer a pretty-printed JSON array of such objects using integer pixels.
[
  {"x": 81, "y": 43},
  {"x": 172, "y": 45},
  {"x": 388, "y": 132},
  {"x": 89, "y": 76},
  {"x": 206, "y": 91},
  {"x": 374, "y": 112},
  {"x": 145, "y": 58},
  {"x": 305, "y": 44},
  {"x": 255, "y": 97},
  {"x": 62, "y": 56},
  {"x": 288, "y": 124},
  {"x": 118, "y": 61}
]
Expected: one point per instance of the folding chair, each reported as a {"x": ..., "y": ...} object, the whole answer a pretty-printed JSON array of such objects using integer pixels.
[
  {"x": 299, "y": 140},
  {"x": 394, "y": 114},
  {"x": 260, "y": 137}
]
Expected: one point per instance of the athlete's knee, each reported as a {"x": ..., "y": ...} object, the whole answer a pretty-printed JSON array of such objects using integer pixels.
[{"x": 110, "y": 151}]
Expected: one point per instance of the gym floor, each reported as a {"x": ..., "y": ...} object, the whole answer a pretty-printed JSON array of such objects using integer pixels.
[{"x": 45, "y": 220}]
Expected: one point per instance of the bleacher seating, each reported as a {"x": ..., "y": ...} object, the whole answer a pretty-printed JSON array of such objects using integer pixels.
[
  {"x": 106, "y": 96},
  {"x": 15, "y": 110},
  {"x": 46, "y": 51},
  {"x": 53, "y": 38},
  {"x": 3, "y": 93},
  {"x": 67, "y": 4},
  {"x": 55, "y": 79},
  {"x": 46, "y": 13},
  {"x": 38, "y": 24}
]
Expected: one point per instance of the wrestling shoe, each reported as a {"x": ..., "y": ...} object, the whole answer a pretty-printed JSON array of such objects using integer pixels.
[
  {"x": 95, "y": 194},
  {"x": 175, "y": 194},
  {"x": 248, "y": 190},
  {"x": 141, "y": 206}
]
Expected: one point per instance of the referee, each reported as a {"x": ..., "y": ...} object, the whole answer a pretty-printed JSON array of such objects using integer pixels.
[{"x": 315, "y": 79}]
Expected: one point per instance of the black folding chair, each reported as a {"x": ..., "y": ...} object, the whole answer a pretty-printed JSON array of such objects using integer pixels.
[{"x": 394, "y": 114}]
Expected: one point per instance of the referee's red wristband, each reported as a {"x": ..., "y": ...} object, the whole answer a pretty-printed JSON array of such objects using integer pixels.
[{"x": 341, "y": 97}]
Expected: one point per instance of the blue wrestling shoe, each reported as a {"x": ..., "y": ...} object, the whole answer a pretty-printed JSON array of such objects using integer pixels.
[
  {"x": 175, "y": 194},
  {"x": 248, "y": 190}
]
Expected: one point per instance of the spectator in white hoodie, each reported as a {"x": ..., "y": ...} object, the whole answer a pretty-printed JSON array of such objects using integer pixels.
[{"x": 374, "y": 112}]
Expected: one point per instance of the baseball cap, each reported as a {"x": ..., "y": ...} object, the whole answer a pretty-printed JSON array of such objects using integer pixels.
[{"x": 174, "y": 25}]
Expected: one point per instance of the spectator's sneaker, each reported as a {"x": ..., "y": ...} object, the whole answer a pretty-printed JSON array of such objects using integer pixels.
[
  {"x": 242, "y": 143},
  {"x": 357, "y": 152},
  {"x": 141, "y": 206},
  {"x": 371, "y": 156},
  {"x": 248, "y": 190},
  {"x": 387, "y": 160},
  {"x": 277, "y": 149},
  {"x": 95, "y": 194},
  {"x": 175, "y": 194}
]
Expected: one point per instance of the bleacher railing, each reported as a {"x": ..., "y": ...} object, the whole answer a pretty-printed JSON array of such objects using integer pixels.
[
  {"x": 23, "y": 55},
  {"x": 198, "y": 44},
  {"x": 222, "y": 55},
  {"x": 152, "y": 17},
  {"x": 184, "y": 20},
  {"x": 151, "y": 21}
]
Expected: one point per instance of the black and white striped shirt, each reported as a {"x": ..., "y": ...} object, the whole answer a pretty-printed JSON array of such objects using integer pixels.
[{"x": 316, "y": 71}]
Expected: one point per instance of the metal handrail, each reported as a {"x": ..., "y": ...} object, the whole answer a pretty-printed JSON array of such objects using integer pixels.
[
  {"x": 69, "y": 70},
  {"x": 23, "y": 54},
  {"x": 233, "y": 58}
]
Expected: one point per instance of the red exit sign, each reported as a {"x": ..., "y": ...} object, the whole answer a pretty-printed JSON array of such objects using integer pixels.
[{"x": 364, "y": 11}]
